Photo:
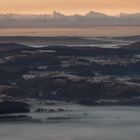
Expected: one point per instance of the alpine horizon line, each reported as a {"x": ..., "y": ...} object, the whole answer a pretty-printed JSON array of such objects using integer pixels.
[{"x": 57, "y": 19}]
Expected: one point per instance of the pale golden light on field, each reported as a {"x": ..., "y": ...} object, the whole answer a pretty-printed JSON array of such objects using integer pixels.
[{"x": 69, "y": 6}]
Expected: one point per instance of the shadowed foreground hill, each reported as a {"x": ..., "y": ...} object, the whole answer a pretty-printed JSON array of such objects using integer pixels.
[{"x": 8, "y": 107}]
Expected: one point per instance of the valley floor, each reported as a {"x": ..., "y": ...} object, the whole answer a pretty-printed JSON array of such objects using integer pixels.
[{"x": 86, "y": 123}]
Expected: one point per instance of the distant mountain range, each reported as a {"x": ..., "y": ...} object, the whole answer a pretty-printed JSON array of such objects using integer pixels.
[{"x": 57, "y": 19}]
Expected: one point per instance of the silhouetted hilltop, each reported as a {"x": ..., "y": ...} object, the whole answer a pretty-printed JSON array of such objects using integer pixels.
[
  {"x": 11, "y": 46},
  {"x": 129, "y": 38},
  {"x": 133, "y": 47},
  {"x": 55, "y": 40},
  {"x": 7, "y": 49}
]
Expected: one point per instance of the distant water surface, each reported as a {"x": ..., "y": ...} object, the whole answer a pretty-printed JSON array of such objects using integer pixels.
[{"x": 95, "y": 31}]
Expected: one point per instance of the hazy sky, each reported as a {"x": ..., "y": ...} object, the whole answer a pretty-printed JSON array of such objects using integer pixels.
[{"x": 69, "y": 6}]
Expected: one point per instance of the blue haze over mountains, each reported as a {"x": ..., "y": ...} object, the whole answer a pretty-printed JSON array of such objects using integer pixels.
[{"x": 91, "y": 19}]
